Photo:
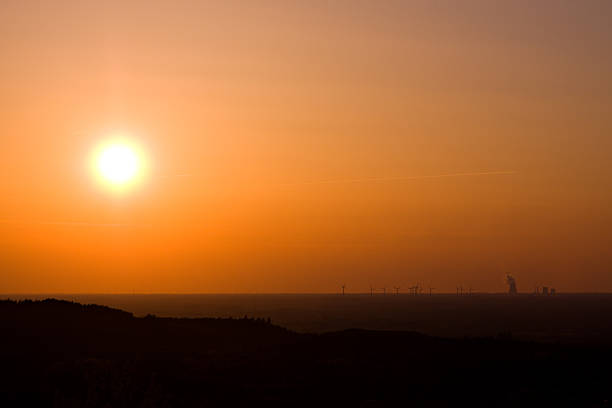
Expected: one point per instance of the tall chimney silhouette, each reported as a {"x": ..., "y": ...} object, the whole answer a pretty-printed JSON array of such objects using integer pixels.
[{"x": 511, "y": 284}]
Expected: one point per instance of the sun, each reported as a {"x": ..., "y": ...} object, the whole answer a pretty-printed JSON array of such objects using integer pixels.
[{"x": 118, "y": 163}]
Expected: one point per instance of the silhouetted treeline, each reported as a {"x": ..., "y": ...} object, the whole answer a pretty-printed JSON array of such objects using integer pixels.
[
  {"x": 63, "y": 354},
  {"x": 78, "y": 328}
]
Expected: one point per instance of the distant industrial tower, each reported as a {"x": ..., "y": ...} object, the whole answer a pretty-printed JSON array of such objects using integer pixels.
[{"x": 511, "y": 284}]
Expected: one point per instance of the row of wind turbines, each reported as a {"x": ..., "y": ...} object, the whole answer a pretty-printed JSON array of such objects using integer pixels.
[{"x": 413, "y": 290}]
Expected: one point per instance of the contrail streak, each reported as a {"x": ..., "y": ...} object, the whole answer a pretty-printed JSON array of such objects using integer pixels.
[
  {"x": 65, "y": 223},
  {"x": 382, "y": 179}
]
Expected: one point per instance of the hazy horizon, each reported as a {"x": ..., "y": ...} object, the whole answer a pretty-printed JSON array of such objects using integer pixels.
[{"x": 377, "y": 292}]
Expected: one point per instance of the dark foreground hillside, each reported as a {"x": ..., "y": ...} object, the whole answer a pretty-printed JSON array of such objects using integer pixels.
[
  {"x": 57, "y": 353},
  {"x": 564, "y": 318}
]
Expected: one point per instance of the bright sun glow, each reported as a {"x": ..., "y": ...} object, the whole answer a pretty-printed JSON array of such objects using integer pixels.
[{"x": 118, "y": 163}]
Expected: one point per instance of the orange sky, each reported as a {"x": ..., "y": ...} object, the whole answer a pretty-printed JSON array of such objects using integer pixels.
[{"x": 286, "y": 143}]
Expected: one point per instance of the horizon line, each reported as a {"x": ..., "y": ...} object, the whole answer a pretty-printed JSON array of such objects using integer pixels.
[{"x": 389, "y": 293}]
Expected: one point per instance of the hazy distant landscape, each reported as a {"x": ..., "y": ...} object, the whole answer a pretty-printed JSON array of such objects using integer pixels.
[{"x": 563, "y": 317}]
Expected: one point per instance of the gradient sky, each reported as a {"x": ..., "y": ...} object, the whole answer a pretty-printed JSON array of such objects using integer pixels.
[{"x": 288, "y": 142}]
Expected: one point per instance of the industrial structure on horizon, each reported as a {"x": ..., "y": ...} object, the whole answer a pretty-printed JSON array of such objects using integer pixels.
[
  {"x": 461, "y": 291},
  {"x": 511, "y": 284}
]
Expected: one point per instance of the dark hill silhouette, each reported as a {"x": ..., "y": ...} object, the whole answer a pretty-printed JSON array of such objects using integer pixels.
[
  {"x": 75, "y": 328},
  {"x": 64, "y": 354}
]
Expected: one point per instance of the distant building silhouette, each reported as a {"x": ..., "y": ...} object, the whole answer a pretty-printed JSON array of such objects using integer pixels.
[{"x": 511, "y": 284}]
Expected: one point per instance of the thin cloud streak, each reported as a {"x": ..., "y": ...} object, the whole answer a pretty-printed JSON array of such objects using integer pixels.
[
  {"x": 68, "y": 223},
  {"x": 383, "y": 179}
]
